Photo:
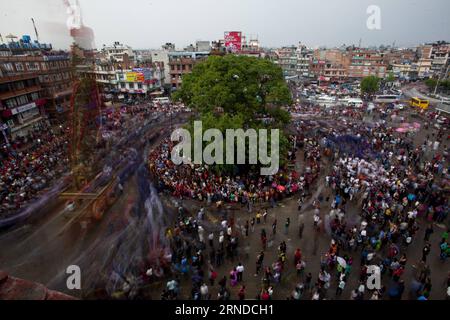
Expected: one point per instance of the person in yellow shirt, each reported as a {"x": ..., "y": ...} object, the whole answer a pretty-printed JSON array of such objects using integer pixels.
[{"x": 258, "y": 217}]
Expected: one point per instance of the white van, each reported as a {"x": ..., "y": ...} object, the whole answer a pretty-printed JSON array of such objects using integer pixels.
[
  {"x": 355, "y": 102},
  {"x": 162, "y": 100}
]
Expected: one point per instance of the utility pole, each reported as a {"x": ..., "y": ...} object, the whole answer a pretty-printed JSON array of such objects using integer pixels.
[{"x": 35, "y": 30}]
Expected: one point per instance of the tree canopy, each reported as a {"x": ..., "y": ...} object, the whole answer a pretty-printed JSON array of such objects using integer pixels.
[
  {"x": 247, "y": 86},
  {"x": 443, "y": 85},
  {"x": 370, "y": 85},
  {"x": 390, "y": 77},
  {"x": 232, "y": 92}
]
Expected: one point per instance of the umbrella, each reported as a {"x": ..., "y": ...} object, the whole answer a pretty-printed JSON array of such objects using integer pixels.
[{"x": 342, "y": 262}]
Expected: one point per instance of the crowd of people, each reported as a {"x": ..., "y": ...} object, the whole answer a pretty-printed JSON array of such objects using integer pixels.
[
  {"x": 31, "y": 163},
  {"x": 202, "y": 183},
  {"x": 382, "y": 187}
]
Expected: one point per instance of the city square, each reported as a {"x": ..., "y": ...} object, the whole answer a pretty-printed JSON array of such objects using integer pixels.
[{"x": 230, "y": 169}]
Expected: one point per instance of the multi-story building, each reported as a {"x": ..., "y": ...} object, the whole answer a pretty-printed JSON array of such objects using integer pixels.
[
  {"x": 434, "y": 59},
  {"x": 440, "y": 58},
  {"x": 119, "y": 53},
  {"x": 202, "y": 46},
  {"x": 399, "y": 56},
  {"x": 335, "y": 56},
  {"x": 35, "y": 85},
  {"x": 326, "y": 71},
  {"x": 21, "y": 103},
  {"x": 162, "y": 56},
  {"x": 104, "y": 73},
  {"x": 423, "y": 67},
  {"x": 304, "y": 58},
  {"x": 365, "y": 62},
  {"x": 181, "y": 63},
  {"x": 55, "y": 77},
  {"x": 250, "y": 48},
  {"x": 402, "y": 71},
  {"x": 140, "y": 81},
  {"x": 287, "y": 60}
]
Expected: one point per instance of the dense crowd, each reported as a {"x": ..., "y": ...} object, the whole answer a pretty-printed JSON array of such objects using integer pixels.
[
  {"x": 31, "y": 163},
  {"x": 381, "y": 187},
  {"x": 202, "y": 183}
]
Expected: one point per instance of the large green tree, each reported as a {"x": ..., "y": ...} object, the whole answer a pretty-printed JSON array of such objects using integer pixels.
[
  {"x": 236, "y": 85},
  {"x": 230, "y": 92},
  {"x": 370, "y": 85}
]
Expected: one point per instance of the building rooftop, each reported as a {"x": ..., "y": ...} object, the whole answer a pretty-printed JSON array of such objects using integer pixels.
[{"x": 12, "y": 288}]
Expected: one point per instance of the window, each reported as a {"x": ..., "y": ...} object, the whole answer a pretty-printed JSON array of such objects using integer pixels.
[
  {"x": 11, "y": 103},
  {"x": 19, "y": 66},
  {"x": 139, "y": 85},
  {"x": 34, "y": 96},
  {"x": 8, "y": 66},
  {"x": 32, "y": 66},
  {"x": 4, "y": 87},
  {"x": 122, "y": 85},
  {"x": 29, "y": 82},
  {"x": 19, "y": 85},
  {"x": 22, "y": 100}
]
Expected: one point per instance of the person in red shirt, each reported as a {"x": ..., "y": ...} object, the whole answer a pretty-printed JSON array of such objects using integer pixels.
[
  {"x": 265, "y": 295},
  {"x": 297, "y": 256},
  {"x": 241, "y": 293}
]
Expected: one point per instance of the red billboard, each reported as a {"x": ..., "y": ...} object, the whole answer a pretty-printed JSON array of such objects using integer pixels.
[{"x": 233, "y": 40}]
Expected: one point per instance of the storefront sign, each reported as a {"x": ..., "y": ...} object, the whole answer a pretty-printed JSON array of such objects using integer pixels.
[{"x": 23, "y": 108}]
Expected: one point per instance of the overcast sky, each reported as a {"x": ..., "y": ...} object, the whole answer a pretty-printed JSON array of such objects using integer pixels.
[{"x": 150, "y": 23}]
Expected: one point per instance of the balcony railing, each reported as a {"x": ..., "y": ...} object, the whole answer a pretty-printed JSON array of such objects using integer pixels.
[{"x": 19, "y": 92}]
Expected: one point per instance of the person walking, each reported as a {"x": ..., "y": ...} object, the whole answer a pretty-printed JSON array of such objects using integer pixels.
[
  {"x": 428, "y": 231},
  {"x": 263, "y": 239},
  {"x": 204, "y": 292},
  {"x": 286, "y": 225},
  {"x": 425, "y": 251},
  {"x": 301, "y": 224},
  {"x": 259, "y": 262},
  {"x": 240, "y": 271},
  {"x": 340, "y": 287},
  {"x": 265, "y": 216},
  {"x": 252, "y": 224},
  {"x": 241, "y": 293}
]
